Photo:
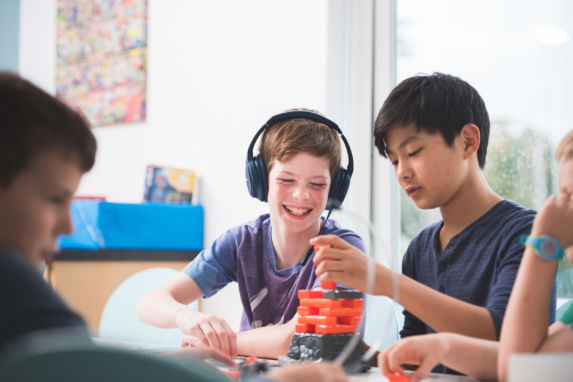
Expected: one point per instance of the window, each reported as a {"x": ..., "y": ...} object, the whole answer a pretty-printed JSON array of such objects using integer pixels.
[{"x": 517, "y": 54}]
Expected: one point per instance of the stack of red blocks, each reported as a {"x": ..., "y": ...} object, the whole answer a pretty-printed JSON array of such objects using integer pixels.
[{"x": 327, "y": 315}]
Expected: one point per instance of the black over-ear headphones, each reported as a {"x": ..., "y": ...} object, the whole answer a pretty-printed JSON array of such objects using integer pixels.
[{"x": 257, "y": 178}]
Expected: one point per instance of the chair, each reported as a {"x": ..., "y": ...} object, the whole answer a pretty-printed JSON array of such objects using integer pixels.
[
  {"x": 383, "y": 322},
  {"x": 64, "y": 358},
  {"x": 119, "y": 317}
]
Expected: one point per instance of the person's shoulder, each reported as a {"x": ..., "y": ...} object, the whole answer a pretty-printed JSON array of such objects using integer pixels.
[{"x": 511, "y": 212}]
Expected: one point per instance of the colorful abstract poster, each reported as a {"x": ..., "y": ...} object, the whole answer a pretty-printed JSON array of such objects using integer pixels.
[{"x": 102, "y": 59}]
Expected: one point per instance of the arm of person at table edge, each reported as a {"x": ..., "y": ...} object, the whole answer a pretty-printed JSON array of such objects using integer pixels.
[
  {"x": 347, "y": 265},
  {"x": 166, "y": 307},
  {"x": 526, "y": 320},
  {"x": 472, "y": 356}
]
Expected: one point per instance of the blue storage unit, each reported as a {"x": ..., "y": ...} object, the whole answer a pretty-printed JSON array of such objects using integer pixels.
[{"x": 148, "y": 226}]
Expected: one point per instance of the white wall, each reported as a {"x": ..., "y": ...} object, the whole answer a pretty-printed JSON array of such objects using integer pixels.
[{"x": 217, "y": 70}]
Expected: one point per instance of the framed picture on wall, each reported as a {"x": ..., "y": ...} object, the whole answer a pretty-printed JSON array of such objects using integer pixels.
[{"x": 102, "y": 59}]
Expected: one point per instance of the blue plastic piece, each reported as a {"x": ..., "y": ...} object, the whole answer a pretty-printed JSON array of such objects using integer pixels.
[{"x": 154, "y": 226}]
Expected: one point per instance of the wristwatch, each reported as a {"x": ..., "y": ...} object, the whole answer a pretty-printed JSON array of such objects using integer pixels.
[{"x": 546, "y": 247}]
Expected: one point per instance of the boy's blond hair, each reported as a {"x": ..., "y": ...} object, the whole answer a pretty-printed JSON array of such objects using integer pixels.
[{"x": 565, "y": 147}]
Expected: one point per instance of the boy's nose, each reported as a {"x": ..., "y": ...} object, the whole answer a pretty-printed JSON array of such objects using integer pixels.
[
  {"x": 65, "y": 226},
  {"x": 301, "y": 192},
  {"x": 403, "y": 171}
]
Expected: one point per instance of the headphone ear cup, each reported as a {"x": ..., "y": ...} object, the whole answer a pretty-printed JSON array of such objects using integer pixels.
[
  {"x": 257, "y": 182},
  {"x": 338, "y": 189}
]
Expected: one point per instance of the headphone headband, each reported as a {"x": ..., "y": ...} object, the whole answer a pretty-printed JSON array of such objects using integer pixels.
[{"x": 257, "y": 181}]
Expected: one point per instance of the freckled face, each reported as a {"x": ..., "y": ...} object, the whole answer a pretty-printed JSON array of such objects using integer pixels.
[
  {"x": 35, "y": 207},
  {"x": 298, "y": 192},
  {"x": 427, "y": 169}
]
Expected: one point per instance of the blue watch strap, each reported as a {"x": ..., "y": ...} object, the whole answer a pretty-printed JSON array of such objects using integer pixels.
[{"x": 546, "y": 247}]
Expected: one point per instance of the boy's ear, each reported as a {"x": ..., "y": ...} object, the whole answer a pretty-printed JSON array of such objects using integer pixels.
[{"x": 471, "y": 138}]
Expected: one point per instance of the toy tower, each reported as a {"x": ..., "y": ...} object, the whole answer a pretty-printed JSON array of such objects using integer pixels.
[{"x": 328, "y": 320}]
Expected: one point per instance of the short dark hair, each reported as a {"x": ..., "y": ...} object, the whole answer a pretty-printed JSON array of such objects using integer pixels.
[
  {"x": 32, "y": 122},
  {"x": 436, "y": 103}
]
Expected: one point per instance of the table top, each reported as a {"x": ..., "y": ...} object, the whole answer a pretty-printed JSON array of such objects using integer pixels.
[{"x": 373, "y": 375}]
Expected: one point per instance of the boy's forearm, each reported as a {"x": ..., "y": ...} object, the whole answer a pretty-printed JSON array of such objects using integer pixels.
[
  {"x": 442, "y": 312},
  {"x": 269, "y": 341},
  {"x": 472, "y": 356},
  {"x": 527, "y": 316},
  {"x": 158, "y": 310}
]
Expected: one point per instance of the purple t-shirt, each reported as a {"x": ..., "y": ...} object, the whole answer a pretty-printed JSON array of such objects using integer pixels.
[{"x": 245, "y": 254}]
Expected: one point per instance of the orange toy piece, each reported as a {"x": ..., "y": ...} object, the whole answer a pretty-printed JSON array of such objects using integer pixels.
[
  {"x": 317, "y": 320},
  {"x": 397, "y": 377},
  {"x": 304, "y": 328},
  {"x": 354, "y": 320},
  {"x": 308, "y": 293},
  {"x": 307, "y": 311},
  {"x": 358, "y": 303},
  {"x": 250, "y": 359},
  {"x": 340, "y": 312},
  {"x": 328, "y": 284},
  {"x": 318, "y": 246},
  {"x": 335, "y": 329},
  {"x": 322, "y": 303}
]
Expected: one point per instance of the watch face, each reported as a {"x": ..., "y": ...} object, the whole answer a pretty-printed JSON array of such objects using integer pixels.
[{"x": 548, "y": 247}]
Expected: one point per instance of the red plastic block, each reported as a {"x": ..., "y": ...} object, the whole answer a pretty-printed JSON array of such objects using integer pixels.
[
  {"x": 304, "y": 328},
  {"x": 328, "y": 284},
  {"x": 321, "y": 303},
  {"x": 340, "y": 312},
  {"x": 335, "y": 329},
  {"x": 308, "y": 293},
  {"x": 357, "y": 303},
  {"x": 318, "y": 246},
  {"x": 307, "y": 310},
  {"x": 317, "y": 320},
  {"x": 250, "y": 359},
  {"x": 397, "y": 377},
  {"x": 354, "y": 320}
]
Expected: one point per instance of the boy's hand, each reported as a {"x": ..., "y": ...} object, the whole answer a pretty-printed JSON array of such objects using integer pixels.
[
  {"x": 201, "y": 330},
  {"x": 311, "y": 372},
  {"x": 425, "y": 350},
  {"x": 346, "y": 264},
  {"x": 555, "y": 219}
]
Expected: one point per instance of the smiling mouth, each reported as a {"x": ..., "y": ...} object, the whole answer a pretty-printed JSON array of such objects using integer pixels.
[{"x": 298, "y": 211}]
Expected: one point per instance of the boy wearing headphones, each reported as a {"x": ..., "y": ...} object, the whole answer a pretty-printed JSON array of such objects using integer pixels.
[
  {"x": 45, "y": 148},
  {"x": 297, "y": 171},
  {"x": 457, "y": 273}
]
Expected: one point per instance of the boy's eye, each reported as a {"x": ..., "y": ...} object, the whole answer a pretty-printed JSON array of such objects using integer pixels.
[
  {"x": 57, "y": 200},
  {"x": 394, "y": 163},
  {"x": 285, "y": 180},
  {"x": 412, "y": 154},
  {"x": 318, "y": 185}
]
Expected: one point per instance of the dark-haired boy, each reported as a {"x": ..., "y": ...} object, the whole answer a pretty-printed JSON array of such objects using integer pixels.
[{"x": 457, "y": 273}]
